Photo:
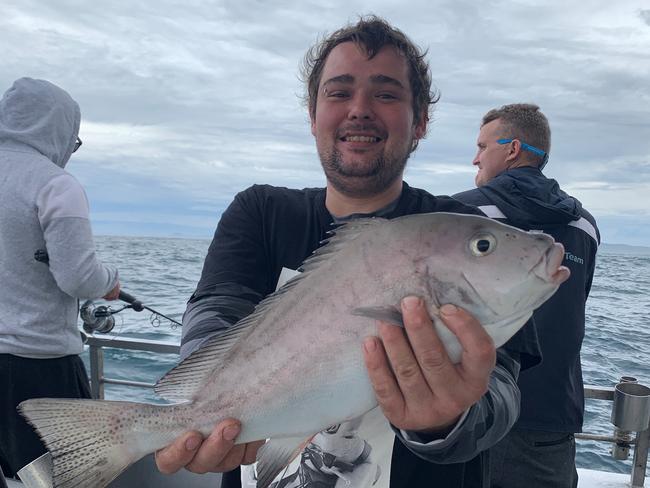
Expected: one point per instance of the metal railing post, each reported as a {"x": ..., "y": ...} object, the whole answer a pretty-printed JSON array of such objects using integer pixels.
[
  {"x": 640, "y": 462},
  {"x": 96, "y": 371},
  {"x": 97, "y": 382},
  {"x": 96, "y": 355}
]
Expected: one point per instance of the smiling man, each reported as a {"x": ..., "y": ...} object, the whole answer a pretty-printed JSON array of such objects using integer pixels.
[
  {"x": 369, "y": 96},
  {"x": 364, "y": 124}
]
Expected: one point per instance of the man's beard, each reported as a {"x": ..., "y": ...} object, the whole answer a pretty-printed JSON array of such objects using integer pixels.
[{"x": 362, "y": 180}]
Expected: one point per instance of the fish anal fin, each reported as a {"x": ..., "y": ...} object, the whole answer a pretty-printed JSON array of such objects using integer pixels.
[
  {"x": 276, "y": 455},
  {"x": 390, "y": 315}
]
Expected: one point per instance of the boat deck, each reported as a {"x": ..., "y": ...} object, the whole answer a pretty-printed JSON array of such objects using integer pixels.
[{"x": 144, "y": 474}]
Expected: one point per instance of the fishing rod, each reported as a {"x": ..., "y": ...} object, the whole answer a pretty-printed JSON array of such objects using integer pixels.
[
  {"x": 138, "y": 306},
  {"x": 101, "y": 318}
]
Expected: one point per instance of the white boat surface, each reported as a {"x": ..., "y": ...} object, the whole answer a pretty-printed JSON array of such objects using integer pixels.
[{"x": 144, "y": 474}]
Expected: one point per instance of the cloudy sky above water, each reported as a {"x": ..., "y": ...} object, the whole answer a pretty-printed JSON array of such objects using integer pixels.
[{"x": 186, "y": 103}]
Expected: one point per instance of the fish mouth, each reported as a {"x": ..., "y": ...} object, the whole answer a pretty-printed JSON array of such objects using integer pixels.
[{"x": 549, "y": 268}]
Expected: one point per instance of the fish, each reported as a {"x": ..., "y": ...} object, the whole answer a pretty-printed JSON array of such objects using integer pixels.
[{"x": 295, "y": 365}]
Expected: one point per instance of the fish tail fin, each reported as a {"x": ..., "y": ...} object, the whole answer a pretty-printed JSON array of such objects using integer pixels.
[{"x": 91, "y": 441}]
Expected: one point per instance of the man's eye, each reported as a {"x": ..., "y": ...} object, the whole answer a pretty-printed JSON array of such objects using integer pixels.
[
  {"x": 386, "y": 96},
  {"x": 337, "y": 94}
]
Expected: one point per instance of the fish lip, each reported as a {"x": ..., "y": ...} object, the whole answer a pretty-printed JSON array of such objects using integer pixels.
[
  {"x": 549, "y": 267},
  {"x": 561, "y": 275}
]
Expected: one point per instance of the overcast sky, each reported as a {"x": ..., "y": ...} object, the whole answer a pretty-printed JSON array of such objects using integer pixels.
[{"x": 186, "y": 103}]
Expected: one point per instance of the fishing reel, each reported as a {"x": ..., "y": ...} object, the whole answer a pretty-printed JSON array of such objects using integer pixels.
[{"x": 96, "y": 318}]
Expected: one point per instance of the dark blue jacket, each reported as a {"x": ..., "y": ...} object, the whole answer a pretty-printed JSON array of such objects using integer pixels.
[{"x": 552, "y": 396}]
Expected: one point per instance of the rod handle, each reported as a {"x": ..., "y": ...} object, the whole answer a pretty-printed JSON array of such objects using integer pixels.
[{"x": 130, "y": 299}]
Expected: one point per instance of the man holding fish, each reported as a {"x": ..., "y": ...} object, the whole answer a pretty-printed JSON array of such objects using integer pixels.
[
  {"x": 377, "y": 316},
  {"x": 369, "y": 96}
]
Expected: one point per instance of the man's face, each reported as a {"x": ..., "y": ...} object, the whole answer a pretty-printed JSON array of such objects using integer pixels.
[
  {"x": 364, "y": 123},
  {"x": 491, "y": 158}
]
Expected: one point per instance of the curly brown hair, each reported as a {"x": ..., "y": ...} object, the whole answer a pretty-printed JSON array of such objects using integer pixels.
[{"x": 372, "y": 33}]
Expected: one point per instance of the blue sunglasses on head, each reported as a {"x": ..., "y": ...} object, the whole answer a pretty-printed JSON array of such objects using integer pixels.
[{"x": 528, "y": 147}]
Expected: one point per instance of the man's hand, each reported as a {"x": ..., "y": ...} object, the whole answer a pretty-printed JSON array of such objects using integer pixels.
[
  {"x": 417, "y": 385},
  {"x": 217, "y": 453},
  {"x": 114, "y": 293}
]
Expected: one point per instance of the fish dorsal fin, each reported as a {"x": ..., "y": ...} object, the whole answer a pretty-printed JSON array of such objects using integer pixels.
[
  {"x": 276, "y": 455},
  {"x": 189, "y": 377},
  {"x": 339, "y": 237}
]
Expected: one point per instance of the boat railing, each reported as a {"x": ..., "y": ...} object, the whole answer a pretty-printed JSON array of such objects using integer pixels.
[{"x": 622, "y": 441}]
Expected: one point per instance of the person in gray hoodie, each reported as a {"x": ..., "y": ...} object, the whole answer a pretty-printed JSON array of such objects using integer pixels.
[{"x": 43, "y": 214}]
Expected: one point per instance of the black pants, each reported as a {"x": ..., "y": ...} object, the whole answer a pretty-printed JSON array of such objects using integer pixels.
[
  {"x": 534, "y": 459},
  {"x": 24, "y": 378}
]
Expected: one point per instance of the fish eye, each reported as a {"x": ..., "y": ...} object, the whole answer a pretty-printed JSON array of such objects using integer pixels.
[{"x": 482, "y": 244}]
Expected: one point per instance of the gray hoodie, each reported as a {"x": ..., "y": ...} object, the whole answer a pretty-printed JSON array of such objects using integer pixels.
[{"x": 43, "y": 207}]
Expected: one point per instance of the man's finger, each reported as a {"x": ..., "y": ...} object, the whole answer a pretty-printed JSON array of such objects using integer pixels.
[
  {"x": 251, "y": 452},
  {"x": 232, "y": 460},
  {"x": 427, "y": 345},
  {"x": 179, "y": 453},
  {"x": 406, "y": 368},
  {"x": 479, "y": 354},
  {"x": 217, "y": 448},
  {"x": 389, "y": 396}
]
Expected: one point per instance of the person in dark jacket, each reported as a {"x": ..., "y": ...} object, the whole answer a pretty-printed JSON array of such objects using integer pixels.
[
  {"x": 513, "y": 147},
  {"x": 369, "y": 94}
]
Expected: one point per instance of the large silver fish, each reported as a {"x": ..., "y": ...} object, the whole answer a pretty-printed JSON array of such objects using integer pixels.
[{"x": 295, "y": 366}]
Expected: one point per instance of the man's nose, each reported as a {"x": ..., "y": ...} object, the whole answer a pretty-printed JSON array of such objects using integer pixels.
[{"x": 361, "y": 108}]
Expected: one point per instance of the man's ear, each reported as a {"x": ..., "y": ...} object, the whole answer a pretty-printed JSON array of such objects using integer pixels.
[
  {"x": 515, "y": 150},
  {"x": 313, "y": 125},
  {"x": 421, "y": 126}
]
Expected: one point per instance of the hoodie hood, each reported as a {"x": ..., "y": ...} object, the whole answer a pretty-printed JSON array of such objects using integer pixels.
[
  {"x": 40, "y": 115},
  {"x": 529, "y": 199}
]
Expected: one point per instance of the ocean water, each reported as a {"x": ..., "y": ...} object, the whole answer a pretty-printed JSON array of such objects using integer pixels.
[{"x": 163, "y": 273}]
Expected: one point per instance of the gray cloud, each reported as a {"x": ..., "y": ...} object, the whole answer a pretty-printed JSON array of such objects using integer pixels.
[
  {"x": 184, "y": 105},
  {"x": 645, "y": 16}
]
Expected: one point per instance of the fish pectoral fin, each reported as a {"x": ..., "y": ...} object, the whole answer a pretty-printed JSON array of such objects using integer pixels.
[
  {"x": 386, "y": 314},
  {"x": 276, "y": 455}
]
